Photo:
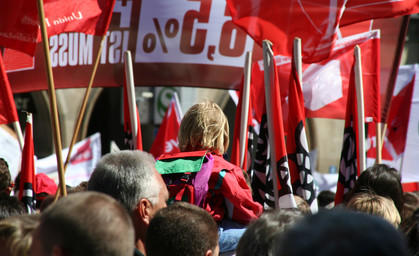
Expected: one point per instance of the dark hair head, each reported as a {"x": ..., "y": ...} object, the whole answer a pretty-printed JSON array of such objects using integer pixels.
[
  {"x": 181, "y": 229},
  {"x": 5, "y": 177},
  {"x": 10, "y": 206},
  {"x": 339, "y": 232},
  {"x": 381, "y": 180}
]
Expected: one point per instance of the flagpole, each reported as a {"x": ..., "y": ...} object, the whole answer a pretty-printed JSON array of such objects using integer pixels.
[
  {"x": 379, "y": 143},
  {"x": 18, "y": 130},
  {"x": 52, "y": 99},
  {"x": 268, "y": 67},
  {"x": 245, "y": 107},
  {"x": 360, "y": 108},
  {"x": 131, "y": 96},
  {"x": 82, "y": 109},
  {"x": 298, "y": 59}
]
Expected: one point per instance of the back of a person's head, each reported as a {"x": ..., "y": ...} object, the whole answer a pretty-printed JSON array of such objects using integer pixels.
[
  {"x": 204, "y": 127},
  {"x": 5, "y": 178},
  {"x": 340, "y": 232},
  {"x": 16, "y": 234},
  {"x": 261, "y": 235},
  {"x": 302, "y": 205},
  {"x": 411, "y": 231},
  {"x": 376, "y": 205},
  {"x": 326, "y": 199},
  {"x": 10, "y": 206},
  {"x": 85, "y": 224},
  {"x": 127, "y": 176},
  {"x": 182, "y": 229},
  {"x": 381, "y": 180}
]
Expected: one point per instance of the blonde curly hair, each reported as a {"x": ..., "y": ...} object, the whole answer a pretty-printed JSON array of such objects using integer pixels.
[{"x": 204, "y": 127}]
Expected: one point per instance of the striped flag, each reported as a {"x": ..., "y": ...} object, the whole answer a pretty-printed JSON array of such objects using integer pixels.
[
  {"x": 297, "y": 147},
  {"x": 27, "y": 176},
  {"x": 348, "y": 169}
]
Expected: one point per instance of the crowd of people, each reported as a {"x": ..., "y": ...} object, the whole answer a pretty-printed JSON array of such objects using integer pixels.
[{"x": 123, "y": 210}]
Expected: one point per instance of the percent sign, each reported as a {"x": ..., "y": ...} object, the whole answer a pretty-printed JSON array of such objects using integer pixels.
[{"x": 170, "y": 30}]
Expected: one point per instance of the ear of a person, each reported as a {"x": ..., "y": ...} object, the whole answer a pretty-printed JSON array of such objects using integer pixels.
[
  {"x": 144, "y": 210},
  {"x": 209, "y": 253},
  {"x": 57, "y": 251}
]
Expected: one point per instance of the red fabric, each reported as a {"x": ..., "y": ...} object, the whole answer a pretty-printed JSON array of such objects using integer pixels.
[
  {"x": 166, "y": 140},
  {"x": 234, "y": 194},
  {"x": 27, "y": 174},
  {"x": 340, "y": 63},
  {"x": 45, "y": 184},
  {"x": 8, "y": 113},
  {"x": 281, "y": 21},
  {"x": 314, "y": 21},
  {"x": 19, "y": 25},
  {"x": 410, "y": 187},
  {"x": 200, "y": 153},
  {"x": 361, "y": 10}
]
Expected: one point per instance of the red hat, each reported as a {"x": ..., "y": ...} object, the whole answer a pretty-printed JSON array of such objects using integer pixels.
[{"x": 45, "y": 184}]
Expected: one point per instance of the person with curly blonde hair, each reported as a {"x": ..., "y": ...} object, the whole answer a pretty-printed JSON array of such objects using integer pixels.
[
  {"x": 375, "y": 205},
  {"x": 229, "y": 199}
]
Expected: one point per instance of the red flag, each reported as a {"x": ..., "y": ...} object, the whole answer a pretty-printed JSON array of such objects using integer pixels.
[
  {"x": 128, "y": 126},
  {"x": 85, "y": 16},
  {"x": 8, "y": 113},
  {"x": 314, "y": 21},
  {"x": 27, "y": 175},
  {"x": 325, "y": 84},
  {"x": 297, "y": 147},
  {"x": 19, "y": 20},
  {"x": 398, "y": 119},
  {"x": 166, "y": 140},
  {"x": 348, "y": 169}
]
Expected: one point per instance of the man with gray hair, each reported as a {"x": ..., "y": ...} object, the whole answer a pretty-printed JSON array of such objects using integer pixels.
[{"x": 131, "y": 178}]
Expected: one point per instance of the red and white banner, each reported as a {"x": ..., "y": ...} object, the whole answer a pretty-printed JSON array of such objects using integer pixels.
[
  {"x": 325, "y": 84},
  {"x": 8, "y": 113},
  {"x": 182, "y": 37},
  {"x": 166, "y": 140},
  {"x": 84, "y": 157}
]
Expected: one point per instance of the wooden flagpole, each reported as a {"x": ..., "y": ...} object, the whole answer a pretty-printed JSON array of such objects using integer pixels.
[
  {"x": 268, "y": 69},
  {"x": 82, "y": 109},
  {"x": 52, "y": 99},
  {"x": 18, "y": 130},
  {"x": 131, "y": 96},
  {"x": 298, "y": 59},
  {"x": 245, "y": 106},
  {"x": 360, "y": 108}
]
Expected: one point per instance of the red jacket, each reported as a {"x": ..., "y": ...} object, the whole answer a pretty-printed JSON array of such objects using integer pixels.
[{"x": 229, "y": 196}]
